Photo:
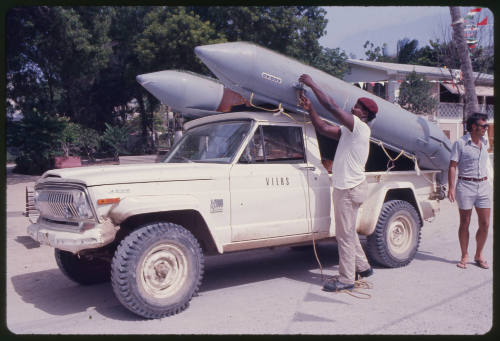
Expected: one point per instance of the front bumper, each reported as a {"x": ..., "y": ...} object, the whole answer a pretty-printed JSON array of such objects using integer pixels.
[{"x": 72, "y": 241}]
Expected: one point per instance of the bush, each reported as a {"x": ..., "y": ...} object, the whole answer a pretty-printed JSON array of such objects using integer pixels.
[
  {"x": 32, "y": 163},
  {"x": 11, "y": 156},
  {"x": 415, "y": 95},
  {"x": 70, "y": 137},
  {"x": 88, "y": 142},
  {"x": 35, "y": 137},
  {"x": 116, "y": 137}
]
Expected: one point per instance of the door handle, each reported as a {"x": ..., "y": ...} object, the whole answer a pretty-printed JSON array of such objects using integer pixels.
[{"x": 311, "y": 168}]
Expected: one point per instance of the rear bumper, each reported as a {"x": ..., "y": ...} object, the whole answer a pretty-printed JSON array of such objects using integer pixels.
[
  {"x": 430, "y": 209},
  {"x": 98, "y": 236}
]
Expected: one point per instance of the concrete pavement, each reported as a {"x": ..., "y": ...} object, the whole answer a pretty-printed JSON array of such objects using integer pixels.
[{"x": 269, "y": 291}]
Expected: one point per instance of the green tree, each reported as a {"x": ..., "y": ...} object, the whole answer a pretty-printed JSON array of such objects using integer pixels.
[
  {"x": 172, "y": 32},
  {"x": 406, "y": 50},
  {"x": 81, "y": 61},
  {"x": 69, "y": 137},
  {"x": 377, "y": 53},
  {"x": 88, "y": 142},
  {"x": 427, "y": 55},
  {"x": 332, "y": 61},
  {"x": 415, "y": 95},
  {"x": 116, "y": 137},
  {"x": 35, "y": 136},
  {"x": 290, "y": 30},
  {"x": 55, "y": 54}
]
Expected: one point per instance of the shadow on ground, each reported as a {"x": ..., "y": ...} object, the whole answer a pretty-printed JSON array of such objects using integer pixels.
[
  {"x": 428, "y": 256},
  {"x": 51, "y": 292}
]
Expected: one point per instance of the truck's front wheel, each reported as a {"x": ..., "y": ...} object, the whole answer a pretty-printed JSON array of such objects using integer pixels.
[
  {"x": 395, "y": 240},
  {"x": 157, "y": 269},
  {"x": 82, "y": 269}
]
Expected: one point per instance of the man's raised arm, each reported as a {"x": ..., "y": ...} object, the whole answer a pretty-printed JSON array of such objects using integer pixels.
[
  {"x": 321, "y": 126},
  {"x": 326, "y": 101}
]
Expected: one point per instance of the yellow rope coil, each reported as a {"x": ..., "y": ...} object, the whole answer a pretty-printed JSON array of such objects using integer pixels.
[{"x": 358, "y": 284}]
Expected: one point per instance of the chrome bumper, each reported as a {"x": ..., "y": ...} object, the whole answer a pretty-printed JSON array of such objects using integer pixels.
[{"x": 98, "y": 236}]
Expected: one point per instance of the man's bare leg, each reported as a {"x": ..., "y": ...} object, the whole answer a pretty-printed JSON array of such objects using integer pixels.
[
  {"x": 483, "y": 215},
  {"x": 463, "y": 235}
]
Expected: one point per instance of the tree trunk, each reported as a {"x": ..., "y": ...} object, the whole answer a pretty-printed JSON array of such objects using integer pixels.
[
  {"x": 144, "y": 122},
  {"x": 471, "y": 104}
]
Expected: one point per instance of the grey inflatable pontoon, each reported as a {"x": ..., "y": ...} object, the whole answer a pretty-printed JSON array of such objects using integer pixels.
[
  {"x": 264, "y": 75},
  {"x": 191, "y": 94}
]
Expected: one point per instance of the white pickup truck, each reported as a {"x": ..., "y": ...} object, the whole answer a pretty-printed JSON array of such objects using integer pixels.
[{"x": 235, "y": 181}]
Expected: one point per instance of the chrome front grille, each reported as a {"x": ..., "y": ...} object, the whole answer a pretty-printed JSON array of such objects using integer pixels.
[
  {"x": 62, "y": 204},
  {"x": 58, "y": 204}
]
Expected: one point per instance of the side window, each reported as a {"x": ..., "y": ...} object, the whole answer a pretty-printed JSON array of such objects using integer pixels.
[
  {"x": 254, "y": 151},
  {"x": 283, "y": 144}
]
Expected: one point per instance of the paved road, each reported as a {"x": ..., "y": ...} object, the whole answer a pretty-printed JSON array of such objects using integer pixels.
[{"x": 271, "y": 291}]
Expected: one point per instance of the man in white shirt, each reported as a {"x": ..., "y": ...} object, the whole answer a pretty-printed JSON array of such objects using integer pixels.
[{"x": 350, "y": 188}]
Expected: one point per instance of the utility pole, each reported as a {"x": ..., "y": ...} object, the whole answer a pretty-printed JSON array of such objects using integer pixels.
[{"x": 457, "y": 22}]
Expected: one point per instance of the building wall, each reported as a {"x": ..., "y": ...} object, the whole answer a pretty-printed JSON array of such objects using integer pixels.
[{"x": 453, "y": 129}]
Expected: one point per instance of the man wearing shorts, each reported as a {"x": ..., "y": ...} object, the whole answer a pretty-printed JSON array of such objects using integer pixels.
[{"x": 470, "y": 156}]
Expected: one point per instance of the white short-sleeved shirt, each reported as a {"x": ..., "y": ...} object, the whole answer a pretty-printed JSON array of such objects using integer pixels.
[{"x": 350, "y": 158}]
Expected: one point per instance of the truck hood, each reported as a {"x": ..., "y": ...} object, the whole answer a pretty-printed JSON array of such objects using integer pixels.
[{"x": 136, "y": 173}]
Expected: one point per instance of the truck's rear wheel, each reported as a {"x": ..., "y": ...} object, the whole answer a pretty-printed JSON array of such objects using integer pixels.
[
  {"x": 82, "y": 269},
  {"x": 157, "y": 269},
  {"x": 395, "y": 240}
]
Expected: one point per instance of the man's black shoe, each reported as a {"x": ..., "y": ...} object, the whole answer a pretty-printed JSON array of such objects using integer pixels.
[
  {"x": 364, "y": 274},
  {"x": 337, "y": 286}
]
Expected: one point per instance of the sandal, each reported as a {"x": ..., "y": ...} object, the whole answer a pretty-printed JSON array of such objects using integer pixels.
[
  {"x": 462, "y": 264},
  {"x": 482, "y": 264}
]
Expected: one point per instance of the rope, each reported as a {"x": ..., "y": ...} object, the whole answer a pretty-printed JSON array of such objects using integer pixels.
[
  {"x": 409, "y": 156},
  {"x": 358, "y": 284},
  {"x": 402, "y": 153},
  {"x": 316, "y": 255},
  {"x": 278, "y": 111},
  {"x": 389, "y": 156},
  {"x": 309, "y": 201},
  {"x": 390, "y": 163},
  {"x": 280, "y": 108}
]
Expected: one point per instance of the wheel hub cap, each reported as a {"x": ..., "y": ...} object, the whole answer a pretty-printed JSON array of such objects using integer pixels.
[
  {"x": 164, "y": 270},
  {"x": 400, "y": 234}
]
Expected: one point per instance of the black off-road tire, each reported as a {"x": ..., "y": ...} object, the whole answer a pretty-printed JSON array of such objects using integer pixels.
[
  {"x": 157, "y": 269},
  {"x": 83, "y": 270},
  {"x": 396, "y": 238}
]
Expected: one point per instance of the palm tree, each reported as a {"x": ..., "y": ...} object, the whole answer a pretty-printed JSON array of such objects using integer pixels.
[
  {"x": 406, "y": 50},
  {"x": 471, "y": 104}
]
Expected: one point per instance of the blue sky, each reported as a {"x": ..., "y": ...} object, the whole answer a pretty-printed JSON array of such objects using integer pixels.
[{"x": 350, "y": 26}]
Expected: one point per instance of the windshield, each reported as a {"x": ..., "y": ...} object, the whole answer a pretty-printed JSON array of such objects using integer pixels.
[{"x": 214, "y": 142}]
